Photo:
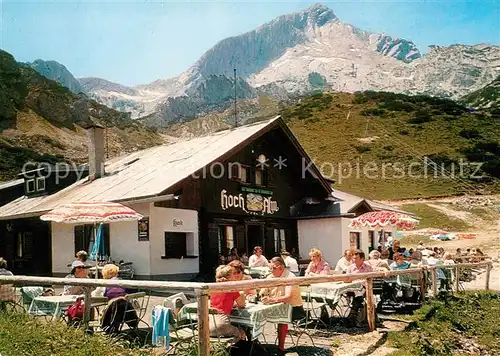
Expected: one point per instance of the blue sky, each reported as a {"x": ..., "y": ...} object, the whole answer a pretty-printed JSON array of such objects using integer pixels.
[{"x": 136, "y": 42}]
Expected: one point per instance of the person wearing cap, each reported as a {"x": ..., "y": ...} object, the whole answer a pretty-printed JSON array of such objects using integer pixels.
[
  {"x": 290, "y": 262},
  {"x": 78, "y": 270}
]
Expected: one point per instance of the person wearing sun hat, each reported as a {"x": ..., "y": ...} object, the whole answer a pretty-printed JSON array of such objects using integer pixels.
[{"x": 78, "y": 270}]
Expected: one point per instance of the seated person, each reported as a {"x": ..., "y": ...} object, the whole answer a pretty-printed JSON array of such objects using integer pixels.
[
  {"x": 376, "y": 263},
  {"x": 233, "y": 255},
  {"x": 344, "y": 262},
  {"x": 257, "y": 259},
  {"x": 220, "y": 324},
  {"x": 399, "y": 262},
  {"x": 110, "y": 271},
  {"x": 317, "y": 266},
  {"x": 359, "y": 266},
  {"x": 7, "y": 292},
  {"x": 239, "y": 273},
  {"x": 78, "y": 270},
  {"x": 416, "y": 259},
  {"x": 82, "y": 256},
  {"x": 283, "y": 294},
  {"x": 290, "y": 262}
]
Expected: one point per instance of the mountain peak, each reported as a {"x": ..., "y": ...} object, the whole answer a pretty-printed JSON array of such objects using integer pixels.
[{"x": 320, "y": 14}]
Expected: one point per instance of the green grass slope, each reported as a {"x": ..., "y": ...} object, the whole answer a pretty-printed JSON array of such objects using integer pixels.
[{"x": 374, "y": 144}]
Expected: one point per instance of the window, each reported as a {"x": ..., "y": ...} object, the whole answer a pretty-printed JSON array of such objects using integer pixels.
[
  {"x": 30, "y": 186},
  {"x": 175, "y": 244},
  {"x": 40, "y": 184},
  {"x": 355, "y": 240},
  {"x": 226, "y": 238},
  {"x": 279, "y": 240},
  {"x": 260, "y": 177},
  {"x": 25, "y": 244},
  {"x": 84, "y": 238},
  {"x": 373, "y": 242},
  {"x": 239, "y": 172}
]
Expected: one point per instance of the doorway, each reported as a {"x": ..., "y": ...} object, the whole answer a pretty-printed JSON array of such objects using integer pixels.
[{"x": 255, "y": 236}]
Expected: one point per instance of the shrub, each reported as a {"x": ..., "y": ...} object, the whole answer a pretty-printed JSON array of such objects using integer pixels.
[
  {"x": 362, "y": 148},
  {"x": 469, "y": 133},
  {"x": 373, "y": 112},
  {"x": 397, "y": 105},
  {"x": 420, "y": 117},
  {"x": 20, "y": 332}
]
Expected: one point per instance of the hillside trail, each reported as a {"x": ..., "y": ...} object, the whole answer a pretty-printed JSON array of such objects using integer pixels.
[{"x": 486, "y": 229}]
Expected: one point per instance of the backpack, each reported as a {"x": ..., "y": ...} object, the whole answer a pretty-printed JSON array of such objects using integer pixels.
[{"x": 75, "y": 312}]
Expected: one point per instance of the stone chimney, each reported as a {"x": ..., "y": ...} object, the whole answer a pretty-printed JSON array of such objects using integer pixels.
[{"x": 97, "y": 151}]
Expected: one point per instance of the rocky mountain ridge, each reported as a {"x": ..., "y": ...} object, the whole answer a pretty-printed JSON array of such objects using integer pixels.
[{"x": 298, "y": 53}]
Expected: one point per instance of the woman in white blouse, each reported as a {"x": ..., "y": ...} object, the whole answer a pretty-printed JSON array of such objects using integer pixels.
[{"x": 258, "y": 259}]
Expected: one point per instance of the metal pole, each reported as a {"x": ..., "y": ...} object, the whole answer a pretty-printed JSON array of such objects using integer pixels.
[
  {"x": 203, "y": 327},
  {"x": 457, "y": 279},
  {"x": 235, "y": 109}
]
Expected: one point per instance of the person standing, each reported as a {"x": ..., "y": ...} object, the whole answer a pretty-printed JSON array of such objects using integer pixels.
[{"x": 291, "y": 263}]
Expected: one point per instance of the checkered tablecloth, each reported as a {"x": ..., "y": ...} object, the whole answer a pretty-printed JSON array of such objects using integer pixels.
[
  {"x": 53, "y": 306},
  {"x": 253, "y": 316},
  {"x": 333, "y": 291}
]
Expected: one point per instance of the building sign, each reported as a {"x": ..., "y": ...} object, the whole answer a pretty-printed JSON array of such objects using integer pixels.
[
  {"x": 257, "y": 190},
  {"x": 250, "y": 203},
  {"x": 177, "y": 222},
  {"x": 143, "y": 229}
]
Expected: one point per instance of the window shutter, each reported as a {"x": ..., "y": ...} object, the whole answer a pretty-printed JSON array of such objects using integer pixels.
[
  {"x": 240, "y": 238},
  {"x": 269, "y": 243}
]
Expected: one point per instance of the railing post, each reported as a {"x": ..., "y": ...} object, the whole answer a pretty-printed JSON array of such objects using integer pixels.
[
  {"x": 203, "y": 327},
  {"x": 370, "y": 304},
  {"x": 488, "y": 269},
  {"x": 87, "y": 305},
  {"x": 457, "y": 279},
  {"x": 422, "y": 283},
  {"x": 434, "y": 282}
]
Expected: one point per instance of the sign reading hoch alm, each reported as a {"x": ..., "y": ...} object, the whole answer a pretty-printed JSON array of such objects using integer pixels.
[{"x": 251, "y": 203}]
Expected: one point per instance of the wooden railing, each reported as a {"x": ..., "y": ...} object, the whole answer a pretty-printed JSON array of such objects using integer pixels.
[{"x": 203, "y": 290}]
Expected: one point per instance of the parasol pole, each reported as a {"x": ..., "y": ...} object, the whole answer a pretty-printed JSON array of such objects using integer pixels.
[{"x": 95, "y": 257}]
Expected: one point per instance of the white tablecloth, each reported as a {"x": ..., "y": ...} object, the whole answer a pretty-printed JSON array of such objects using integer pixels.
[
  {"x": 333, "y": 291},
  {"x": 253, "y": 316}
]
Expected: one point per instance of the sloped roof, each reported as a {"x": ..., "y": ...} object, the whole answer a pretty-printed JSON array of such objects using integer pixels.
[
  {"x": 348, "y": 202},
  {"x": 149, "y": 172},
  {"x": 11, "y": 183}
]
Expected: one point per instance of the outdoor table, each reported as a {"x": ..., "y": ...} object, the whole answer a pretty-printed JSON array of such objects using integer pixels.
[
  {"x": 253, "y": 317},
  {"x": 55, "y": 306},
  {"x": 333, "y": 291},
  {"x": 258, "y": 271}
]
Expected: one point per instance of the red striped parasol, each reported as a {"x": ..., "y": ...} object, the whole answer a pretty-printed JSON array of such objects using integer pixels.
[
  {"x": 384, "y": 218},
  {"x": 91, "y": 212}
]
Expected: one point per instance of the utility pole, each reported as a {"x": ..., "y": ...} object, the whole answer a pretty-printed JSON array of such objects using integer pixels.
[{"x": 235, "y": 109}]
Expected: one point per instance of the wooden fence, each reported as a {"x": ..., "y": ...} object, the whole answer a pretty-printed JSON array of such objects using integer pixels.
[{"x": 203, "y": 290}]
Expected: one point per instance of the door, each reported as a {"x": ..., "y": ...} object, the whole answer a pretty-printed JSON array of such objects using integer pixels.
[{"x": 255, "y": 237}]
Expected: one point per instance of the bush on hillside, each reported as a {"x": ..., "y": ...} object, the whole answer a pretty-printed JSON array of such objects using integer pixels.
[
  {"x": 420, "y": 117},
  {"x": 397, "y": 105},
  {"x": 452, "y": 325},
  {"x": 19, "y": 332},
  {"x": 362, "y": 148},
  {"x": 469, "y": 133},
  {"x": 373, "y": 112}
]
